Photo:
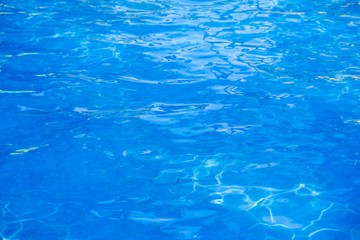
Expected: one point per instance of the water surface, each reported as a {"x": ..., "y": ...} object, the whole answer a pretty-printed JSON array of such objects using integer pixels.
[{"x": 162, "y": 119}]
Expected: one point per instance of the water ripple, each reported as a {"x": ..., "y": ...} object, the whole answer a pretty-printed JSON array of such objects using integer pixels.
[{"x": 179, "y": 119}]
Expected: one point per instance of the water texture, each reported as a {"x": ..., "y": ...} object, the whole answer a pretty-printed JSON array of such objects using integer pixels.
[{"x": 180, "y": 119}]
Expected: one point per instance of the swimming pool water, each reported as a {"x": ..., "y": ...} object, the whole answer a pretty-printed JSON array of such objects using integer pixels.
[{"x": 180, "y": 119}]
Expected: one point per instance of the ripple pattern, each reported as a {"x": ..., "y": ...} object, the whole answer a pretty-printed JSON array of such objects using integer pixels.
[{"x": 180, "y": 119}]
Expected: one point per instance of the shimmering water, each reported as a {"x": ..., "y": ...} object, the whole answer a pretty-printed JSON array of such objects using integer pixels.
[{"x": 180, "y": 119}]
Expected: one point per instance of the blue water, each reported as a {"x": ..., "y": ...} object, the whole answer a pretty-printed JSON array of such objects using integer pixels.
[{"x": 180, "y": 119}]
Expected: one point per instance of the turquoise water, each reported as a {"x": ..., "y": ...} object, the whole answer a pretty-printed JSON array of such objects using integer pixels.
[{"x": 162, "y": 119}]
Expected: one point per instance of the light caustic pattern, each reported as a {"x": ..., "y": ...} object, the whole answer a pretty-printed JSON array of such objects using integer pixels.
[{"x": 162, "y": 119}]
